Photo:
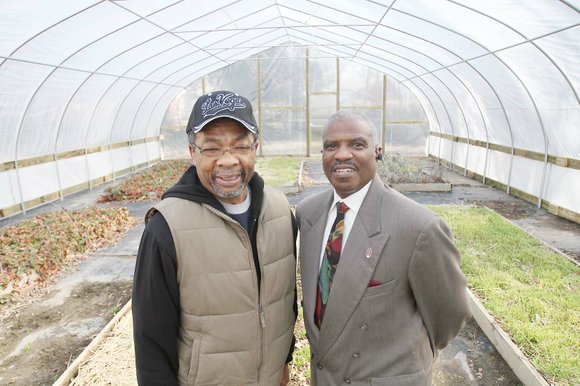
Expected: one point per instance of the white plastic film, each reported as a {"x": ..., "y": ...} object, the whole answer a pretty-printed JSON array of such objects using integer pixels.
[
  {"x": 40, "y": 128},
  {"x": 18, "y": 82},
  {"x": 74, "y": 125}
]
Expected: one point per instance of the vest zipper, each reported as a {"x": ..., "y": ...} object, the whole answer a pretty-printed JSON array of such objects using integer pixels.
[{"x": 261, "y": 314}]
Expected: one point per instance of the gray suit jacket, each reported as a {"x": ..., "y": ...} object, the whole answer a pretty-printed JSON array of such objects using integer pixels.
[{"x": 386, "y": 334}]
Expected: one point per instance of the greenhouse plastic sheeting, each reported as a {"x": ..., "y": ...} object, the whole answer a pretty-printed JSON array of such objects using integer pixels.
[{"x": 91, "y": 90}]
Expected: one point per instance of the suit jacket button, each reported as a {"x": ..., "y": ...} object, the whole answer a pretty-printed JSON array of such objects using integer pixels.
[
  {"x": 319, "y": 366},
  {"x": 356, "y": 355},
  {"x": 347, "y": 380},
  {"x": 364, "y": 326}
]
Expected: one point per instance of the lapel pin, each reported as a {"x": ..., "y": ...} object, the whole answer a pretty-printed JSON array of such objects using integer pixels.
[{"x": 369, "y": 253}]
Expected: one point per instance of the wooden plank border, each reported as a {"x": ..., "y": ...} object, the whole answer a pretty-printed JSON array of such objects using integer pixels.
[
  {"x": 547, "y": 205},
  {"x": 72, "y": 371},
  {"x": 513, "y": 356},
  {"x": 72, "y": 153},
  {"x": 533, "y": 155},
  {"x": 51, "y": 197}
]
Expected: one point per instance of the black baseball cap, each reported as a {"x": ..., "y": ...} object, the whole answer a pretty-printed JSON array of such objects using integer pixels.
[{"x": 221, "y": 104}]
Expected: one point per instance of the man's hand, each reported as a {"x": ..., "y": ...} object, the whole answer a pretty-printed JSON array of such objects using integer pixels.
[{"x": 285, "y": 375}]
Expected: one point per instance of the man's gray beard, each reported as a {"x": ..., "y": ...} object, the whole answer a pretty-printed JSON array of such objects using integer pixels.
[{"x": 230, "y": 194}]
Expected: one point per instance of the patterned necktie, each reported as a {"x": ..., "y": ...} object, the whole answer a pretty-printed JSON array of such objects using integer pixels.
[{"x": 329, "y": 263}]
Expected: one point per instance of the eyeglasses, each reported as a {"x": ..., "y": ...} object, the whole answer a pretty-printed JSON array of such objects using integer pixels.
[{"x": 215, "y": 152}]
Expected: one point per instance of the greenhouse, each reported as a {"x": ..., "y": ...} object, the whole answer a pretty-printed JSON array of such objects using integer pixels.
[
  {"x": 93, "y": 92},
  {"x": 89, "y": 89}
]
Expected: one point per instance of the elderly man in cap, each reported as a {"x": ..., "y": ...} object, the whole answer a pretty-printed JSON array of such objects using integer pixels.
[{"x": 214, "y": 298}]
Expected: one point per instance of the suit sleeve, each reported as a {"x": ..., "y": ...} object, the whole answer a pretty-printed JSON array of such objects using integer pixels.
[
  {"x": 295, "y": 306},
  {"x": 156, "y": 306},
  {"x": 438, "y": 285}
]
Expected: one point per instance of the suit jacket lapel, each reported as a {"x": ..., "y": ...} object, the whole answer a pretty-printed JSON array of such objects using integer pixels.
[
  {"x": 355, "y": 268},
  {"x": 310, "y": 258}
]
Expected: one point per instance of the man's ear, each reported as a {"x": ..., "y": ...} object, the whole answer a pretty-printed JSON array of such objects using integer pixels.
[
  {"x": 257, "y": 145},
  {"x": 192, "y": 154},
  {"x": 379, "y": 153}
]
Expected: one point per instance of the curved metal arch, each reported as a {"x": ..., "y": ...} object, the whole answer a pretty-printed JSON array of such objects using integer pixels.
[
  {"x": 21, "y": 119},
  {"x": 436, "y": 93},
  {"x": 40, "y": 87},
  {"x": 59, "y": 66},
  {"x": 455, "y": 75},
  {"x": 70, "y": 99},
  {"x": 146, "y": 18},
  {"x": 283, "y": 22},
  {"x": 479, "y": 73},
  {"x": 426, "y": 97},
  {"x": 122, "y": 76},
  {"x": 494, "y": 91},
  {"x": 435, "y": 111},
  {"x": 452, "y": 93},
  {"x": 443, "y": 83},
  {"x": 162, "y": 96},
  {"x": 156, "y": 104},
  {"x": 492, "y": 88},
  {"x": 438, "y": 96},
  {"x": 459, "y": 104},
  {"x": 462, "y": 114},
  {"x": 187, "y": 76},
  {"x": 531, "y": 41},
  {"x": 169, "y": 48},
  {"x": 432, "y": 108},
  {"x": 542, "y": 126},
  {"x": 120, "y": 106},
  {"x": 115, "y": 56},
  {"x": 146, "y": 95},
  {"x": 456, "y": 98},
  {"x": 153, "y": 89},
  {"x": 161, "y": 66},
  {"x": 54, "y": 25},
  {"x": 446, "y": 113}
]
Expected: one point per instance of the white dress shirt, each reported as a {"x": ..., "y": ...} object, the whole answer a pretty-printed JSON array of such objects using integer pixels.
[{"x": 354, "y": 202}]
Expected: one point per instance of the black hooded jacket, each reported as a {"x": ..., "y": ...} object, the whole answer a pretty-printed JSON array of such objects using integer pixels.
[{"x": 155, "y": 290}]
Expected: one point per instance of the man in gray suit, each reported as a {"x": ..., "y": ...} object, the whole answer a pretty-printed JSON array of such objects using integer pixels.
[{"x": 382, "y": 288}]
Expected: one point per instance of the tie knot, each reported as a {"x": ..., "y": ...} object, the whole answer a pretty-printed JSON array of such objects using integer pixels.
[{"x": 341, "y": 207}]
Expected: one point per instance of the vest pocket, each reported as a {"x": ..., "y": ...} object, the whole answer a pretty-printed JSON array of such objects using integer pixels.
[{"x": 189, "y": 360}]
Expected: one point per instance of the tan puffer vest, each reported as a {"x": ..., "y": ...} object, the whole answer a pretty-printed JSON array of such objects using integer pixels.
[{"x": 231, "y": 333}]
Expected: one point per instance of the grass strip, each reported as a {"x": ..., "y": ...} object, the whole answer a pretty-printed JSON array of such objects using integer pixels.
[
  {"x": 530, "y": 290},
  {"x": 278, "y": 171}
]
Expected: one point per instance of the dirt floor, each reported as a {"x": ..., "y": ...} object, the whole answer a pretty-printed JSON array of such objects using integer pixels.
[
  {"x": 39, "y": 340},
  {"x": 45, "y": 332}
]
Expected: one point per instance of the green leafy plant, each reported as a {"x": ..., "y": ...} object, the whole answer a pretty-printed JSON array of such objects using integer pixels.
[
  {"x": 395, "y": 169},
  {"x": 149, "y": 184},
  {"x": 37, "y": 248}
]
